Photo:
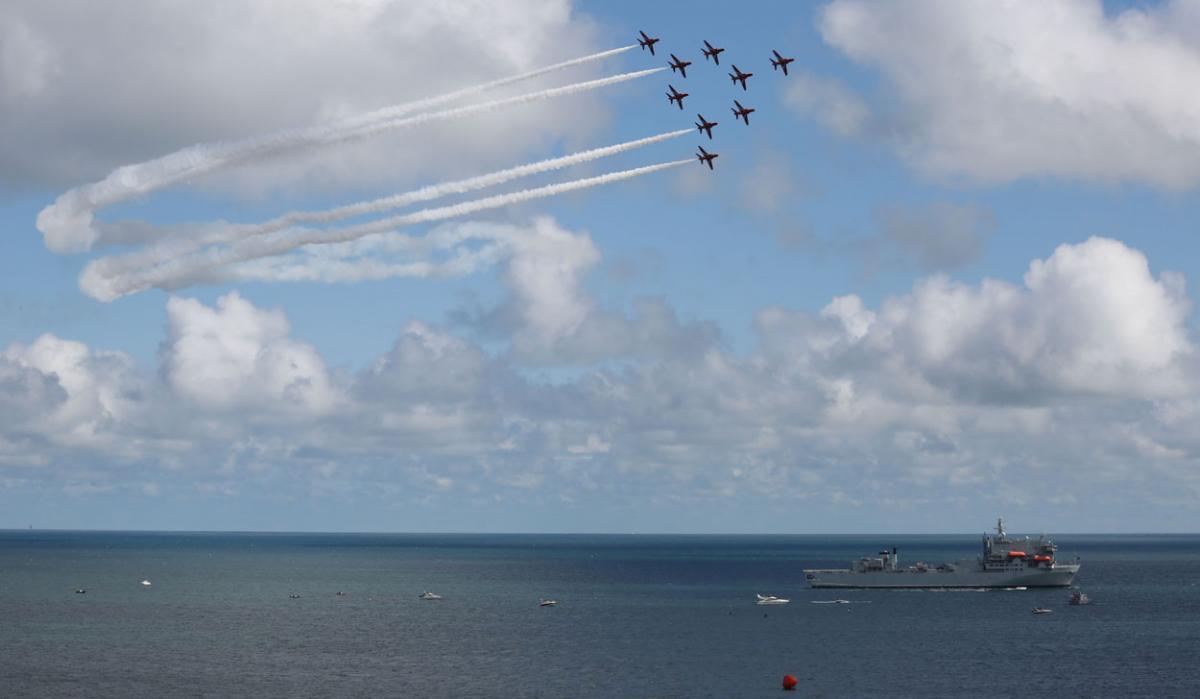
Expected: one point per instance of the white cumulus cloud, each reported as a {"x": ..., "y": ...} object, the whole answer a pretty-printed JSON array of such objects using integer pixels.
[
  {"x": 996, "y": 91},
  {"x": 238, "y": 356},
  {"x": 90, "y": 86}
]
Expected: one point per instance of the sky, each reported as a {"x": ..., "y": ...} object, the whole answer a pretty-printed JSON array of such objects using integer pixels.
[{"x": 946, "y": 273}]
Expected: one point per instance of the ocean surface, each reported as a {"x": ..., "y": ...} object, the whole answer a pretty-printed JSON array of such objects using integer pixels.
[{"x": 638, "y": 616}]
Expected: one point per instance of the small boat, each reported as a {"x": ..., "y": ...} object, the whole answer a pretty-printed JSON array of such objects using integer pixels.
[
  {"x": 547, "y": 603},
  {"x": 339, "y": 593},
  {"x": 146, "y": 583},
  {"x": 771, "y": 599},
  {"x": 429, "y": 595},
  {"x": 81, "y": 591},
  {"x": 1078, "y": 598},
  {"x": 293, "y": 596},
  {"x": 1041, "y": 610}
]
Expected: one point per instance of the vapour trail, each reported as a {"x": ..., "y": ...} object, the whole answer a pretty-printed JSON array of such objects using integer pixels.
[
  {"x": 66, "y": 225},
  {"x": 408, "y": 108},
  {"x": 463, "y": 260},
  {"x": 184, "y": 270},
  {"x": 155, "y": 254}
]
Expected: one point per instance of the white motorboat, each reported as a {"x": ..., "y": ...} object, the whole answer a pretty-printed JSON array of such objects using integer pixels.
[
  {"x": 1078, "y": 598},
  {"x": 771, "y": 599},
  {"x": 429, "y": 595},
  {"x": 146, "y": 583},
  {"x": 547, "y": 603},
  {"x": 1041, "y": 610}
]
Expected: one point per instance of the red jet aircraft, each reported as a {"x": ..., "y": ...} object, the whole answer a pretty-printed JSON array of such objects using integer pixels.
[
  {"x": 705, "y": 126},
  {"x": 676, "y": 96},
  {"x": 742, "y": 112},
  {"x": 780, "y": 62},
  {"x": 711, "y": 51},
  {"x": 647, "y": 42},
  {"x": 679, "y": 65},
  {"x": 738, "y": 75}
]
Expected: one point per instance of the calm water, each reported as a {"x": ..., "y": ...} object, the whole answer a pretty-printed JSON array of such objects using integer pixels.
[{"x": 639, "y": 616}]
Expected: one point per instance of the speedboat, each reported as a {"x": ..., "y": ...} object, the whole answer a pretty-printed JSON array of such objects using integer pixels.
[
  {"x": 429, "y": 595},
  {"x": 81, "y": 591},
  {"x": 1078, "y": 598},
  {"x": 1041, "y": 610},
  {"x": 771, "y": 599},
  {"x": 293, "y": 596},
  {"x": 146, "y": 583},
  {"x": 548, "y": 603}
]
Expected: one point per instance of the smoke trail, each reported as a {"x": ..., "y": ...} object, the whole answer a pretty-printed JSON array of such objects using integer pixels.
[
  {"x": 462, "y": 261},
  {"x": 228, "y": 233},
  {"x": 429, "y": 102},
  {"x": 184, "y": 270},
  {"x": 66, "y": 225}
]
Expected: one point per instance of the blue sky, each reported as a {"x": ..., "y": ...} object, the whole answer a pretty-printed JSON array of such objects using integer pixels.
[{"x": 945, "y": 274}]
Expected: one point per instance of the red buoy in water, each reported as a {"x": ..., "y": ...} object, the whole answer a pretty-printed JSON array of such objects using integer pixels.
[{"x": 790, "y": 682}]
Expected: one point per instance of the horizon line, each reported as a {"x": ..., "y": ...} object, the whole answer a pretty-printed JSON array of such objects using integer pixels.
[{"x": 7, "y": 530}]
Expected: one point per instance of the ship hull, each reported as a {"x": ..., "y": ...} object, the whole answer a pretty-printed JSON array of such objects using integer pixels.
[{"x": 1059, "y": 576}]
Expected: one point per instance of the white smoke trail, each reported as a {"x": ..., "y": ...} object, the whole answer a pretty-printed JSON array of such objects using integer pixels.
[
  {"x": 287, "y": 268},
  {"x": 155, "y": 254},
  {"x": 66, "y": 225},
  {"x": 430, "y": 102},
  {"x": 182, "y": 271}
]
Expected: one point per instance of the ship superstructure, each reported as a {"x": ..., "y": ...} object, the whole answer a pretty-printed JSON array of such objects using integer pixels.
[{"x": 1004, "y": 562}]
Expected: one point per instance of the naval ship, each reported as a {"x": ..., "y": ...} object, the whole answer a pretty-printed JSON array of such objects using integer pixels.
[{"x": 1006, "y": 562}]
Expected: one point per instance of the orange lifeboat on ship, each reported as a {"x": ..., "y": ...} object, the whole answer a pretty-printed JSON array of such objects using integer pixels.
[
  {"x": 1043, "y": 558},
  {"x": 1016, "y": 554}
]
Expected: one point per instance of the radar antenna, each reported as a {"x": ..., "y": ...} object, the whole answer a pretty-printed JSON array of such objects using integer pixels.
[{"x": 1000, "y": 527}]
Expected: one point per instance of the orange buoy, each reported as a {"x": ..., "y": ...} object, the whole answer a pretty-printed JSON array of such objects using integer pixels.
[{"x": 790, "y": 682}]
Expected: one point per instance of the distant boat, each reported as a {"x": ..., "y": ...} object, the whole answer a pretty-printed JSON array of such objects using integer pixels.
[
  {"x": 548, "y": 603},
  {"x": 1041, "y": 610},
  {"x": 147, "y": 583},
  {"x": 81, "y": 591},
  {"x": 771, "y": 599},
  {"x": 293, "y": 596},
  {"x": 429, "y": 595},
  {"x": 1005, "y": 562},
  {"x": 339, "y": 593},
  {"x": 1079, "y": 598}
]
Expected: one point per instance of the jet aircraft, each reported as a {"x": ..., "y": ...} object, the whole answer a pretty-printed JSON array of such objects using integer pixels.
[
  {"x": 711, "y": 51},
  {"x": 676, "y": 96},
  {"x": 742, "y": 112},
  {"x": 706, "y": 158},
  {"x": 738, "y": 75},
  {"x": 780, "y": 62},
  {"x": 647, "y": 42},
  {"x": 679, "y": 65},
  {"x": 705, "y": 126}
]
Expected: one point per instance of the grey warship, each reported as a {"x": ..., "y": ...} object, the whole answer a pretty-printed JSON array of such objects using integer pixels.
[{"x": 1006, "y": 562}]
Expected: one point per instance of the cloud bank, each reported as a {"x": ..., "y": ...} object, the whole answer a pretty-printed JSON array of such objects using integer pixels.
[{"x": 1074, "y": 382}]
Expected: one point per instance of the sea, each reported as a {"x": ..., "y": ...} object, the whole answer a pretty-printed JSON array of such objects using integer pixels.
[{"x": 258, "y": 615}]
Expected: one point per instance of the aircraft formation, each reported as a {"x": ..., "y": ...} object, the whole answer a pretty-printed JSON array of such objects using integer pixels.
[{"x": 674, "y": 96}]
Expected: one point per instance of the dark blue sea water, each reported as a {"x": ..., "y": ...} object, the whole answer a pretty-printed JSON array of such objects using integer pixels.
[{"x": 638, "y": 616}]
